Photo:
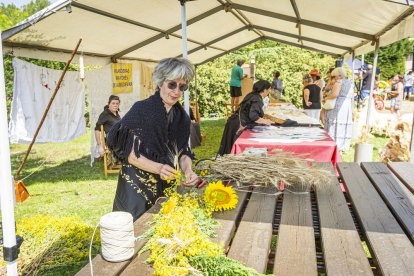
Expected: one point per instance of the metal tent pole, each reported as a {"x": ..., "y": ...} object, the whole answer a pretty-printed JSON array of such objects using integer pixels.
[
  {"x": 362, "y": 64},
  {"x": 374, "y": 70},
  {"x": 184, "y": 40},
  {"x": 353, "y": 80},
  {"x": 195, "y": 84},
  {"x": 7, "y": 193}
]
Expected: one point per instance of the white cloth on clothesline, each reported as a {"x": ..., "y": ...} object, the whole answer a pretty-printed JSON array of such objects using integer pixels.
[{"x": 32, "y": 89}]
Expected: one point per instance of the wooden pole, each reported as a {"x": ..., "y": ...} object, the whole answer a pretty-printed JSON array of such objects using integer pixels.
[{"x": 16, "y": 177}]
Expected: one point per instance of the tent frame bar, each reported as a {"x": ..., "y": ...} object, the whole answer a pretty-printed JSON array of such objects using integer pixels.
[
  {"x": 35, "y": 18},
  {"x": 299, "y": 19},
  {"x": 302, "y": 38},
  {"x": 231, "y": 50},
  {"x": 139, "y": 24},
  {"x": 302, "y": 46},
  {"x": 402, "y": 2},
  {"x": 169, "y": 31},
  {"x": 303, "y": 22},
  {"x": 216, "y": 40}
]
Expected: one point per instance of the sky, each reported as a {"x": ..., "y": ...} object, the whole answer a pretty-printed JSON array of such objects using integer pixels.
[{"x": 20, "y": 3}]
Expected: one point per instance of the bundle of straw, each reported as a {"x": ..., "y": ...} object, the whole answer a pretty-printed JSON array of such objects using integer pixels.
[
  {"x": 274, "y": 119},
  {"x": 269, "y": 171}
]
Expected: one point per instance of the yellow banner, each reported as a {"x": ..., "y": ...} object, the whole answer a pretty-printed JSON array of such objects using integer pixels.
[{"x": 122, "y": 78}]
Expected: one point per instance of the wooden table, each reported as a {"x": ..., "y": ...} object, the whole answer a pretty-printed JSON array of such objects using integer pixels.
[{"x": 317, "y": 231}]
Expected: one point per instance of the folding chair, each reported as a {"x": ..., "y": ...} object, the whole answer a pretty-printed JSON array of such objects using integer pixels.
[
  {"x": 232, "y": 107},
  {"x": 109, "y": 167}
]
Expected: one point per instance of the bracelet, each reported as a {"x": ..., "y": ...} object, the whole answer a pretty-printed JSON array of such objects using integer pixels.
[{"x": 99, "y": 144}]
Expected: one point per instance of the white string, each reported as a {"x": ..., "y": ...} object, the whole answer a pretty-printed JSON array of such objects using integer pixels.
[{"x": 117, "y": 237}]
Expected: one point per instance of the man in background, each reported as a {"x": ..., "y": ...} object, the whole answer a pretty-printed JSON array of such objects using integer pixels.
[
  {"x": 408, "y": 84},
  {"x": 277, "y": 84},
  {"x": 366, "y": 77},
  {"x": 235, "y": 83}
]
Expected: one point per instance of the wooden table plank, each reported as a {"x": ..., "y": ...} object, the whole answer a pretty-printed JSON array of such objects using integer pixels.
[
  {"x": 295, "y": 252},
  {"x": 399, "y": 199},
  {"x": 342, "y": 247},
  {"x": 390, "y": 246},
  {"x": 405, "y": 173},
  {"x": 251, "y": 244},
  {"x": 227, "y": 220},
  {"x": 102, "y": 267}
]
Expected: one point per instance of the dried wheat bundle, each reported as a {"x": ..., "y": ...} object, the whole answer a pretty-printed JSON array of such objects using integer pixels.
[
  {"x": 274, "y": 119},
  {"x": 397, "y": 149},
  {"x": 269, "y": 171},
  {"x": 364, "y": 135}
]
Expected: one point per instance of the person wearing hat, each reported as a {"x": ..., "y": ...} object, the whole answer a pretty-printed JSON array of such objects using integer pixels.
[
  {"x": 235, "y": 82},
  {"x": 366, "y": 77},
  {"x": 316, "y": 77},
  {"x": 312, "y": 97}
]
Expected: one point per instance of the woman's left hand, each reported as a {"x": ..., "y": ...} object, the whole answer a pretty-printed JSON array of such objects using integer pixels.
[
  {"x": 309, "y": 103},
  {"x": 191, "y": 178}
]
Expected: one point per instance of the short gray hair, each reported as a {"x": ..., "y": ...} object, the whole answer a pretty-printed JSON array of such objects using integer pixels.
[
  {"x": 307, "y": 77},
  {"x": 173, "y": 68},
  {"x": 338, "y": 71}
]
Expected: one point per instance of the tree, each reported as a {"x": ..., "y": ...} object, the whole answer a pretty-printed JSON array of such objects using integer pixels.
[{"x": 391, "y": 58}]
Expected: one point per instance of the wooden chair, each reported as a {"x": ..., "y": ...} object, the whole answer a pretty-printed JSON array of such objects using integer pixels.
[
  {"x": 109, "y": 167},
  {"x": 196, "y": 111},
  {"x": 230, "y": 108}
]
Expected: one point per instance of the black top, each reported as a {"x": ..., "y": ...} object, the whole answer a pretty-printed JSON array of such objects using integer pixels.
[
  {"x": 366, "y": 82},
  {"x": 148, "y": 130},
  {"x": 314, "y": 97},
  {"x": 107, "y": 119},
  {"x": 251, "y": 109}
]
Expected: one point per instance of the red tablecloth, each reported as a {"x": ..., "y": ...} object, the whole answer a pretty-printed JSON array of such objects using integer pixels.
[{"x": 320, "y": 151}]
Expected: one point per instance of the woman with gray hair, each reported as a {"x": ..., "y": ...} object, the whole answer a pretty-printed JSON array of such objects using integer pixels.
[
  {"x": 338, "y": 121},
  {"x": 152, "y": 141},
  {"x": 312, "y": 97}
]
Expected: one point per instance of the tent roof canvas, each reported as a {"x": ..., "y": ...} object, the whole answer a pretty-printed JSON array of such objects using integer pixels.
[{"x": 151, "y": 30}]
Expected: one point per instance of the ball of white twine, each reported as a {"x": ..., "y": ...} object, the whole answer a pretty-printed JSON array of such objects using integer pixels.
[{"x": 117, "y": 237}]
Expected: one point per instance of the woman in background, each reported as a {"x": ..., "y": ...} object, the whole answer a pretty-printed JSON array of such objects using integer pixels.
[
  {"x": 338, "y": 121},
  {"x": 249, "y": 114},
  {"x": 397, "y": 94},
  {"x": 327, "y": 92},
  {"x": 107, "y": 118},
  {"x": 312, "y": 97}
]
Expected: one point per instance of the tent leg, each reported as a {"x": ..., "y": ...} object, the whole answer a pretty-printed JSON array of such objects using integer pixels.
[
  {"x": 353, "y": 80},
  {"x": 184, "y": 40},
  {"x": 7, "y": 194},
  {"x": 374, "y": 70}
]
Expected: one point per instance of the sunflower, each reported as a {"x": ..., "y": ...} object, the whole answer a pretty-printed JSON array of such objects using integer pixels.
[
  {"x": 221, "y": 197},
  {"x": 168, "y": 206}
]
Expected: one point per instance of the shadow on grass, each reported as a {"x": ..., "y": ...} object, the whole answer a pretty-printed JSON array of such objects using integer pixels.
[{"x": 50, "y": 171}]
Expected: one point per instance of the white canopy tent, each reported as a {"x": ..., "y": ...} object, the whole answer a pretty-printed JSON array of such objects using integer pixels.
[{"x": 152, "y": 30}]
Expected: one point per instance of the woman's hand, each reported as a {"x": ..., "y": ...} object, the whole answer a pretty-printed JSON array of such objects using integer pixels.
[
  {"x": 101, "y": 150},
  {"x": 166, "y": 171},
  {"x": 191, "y": 178},
  {"x": 267, "y": 122},
  {"x": 308, "y": 103}
]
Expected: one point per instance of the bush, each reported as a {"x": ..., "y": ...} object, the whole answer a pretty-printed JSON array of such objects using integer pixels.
[
  {"x": 213, "y": 77},
  {"x": 53, "y": 246}
]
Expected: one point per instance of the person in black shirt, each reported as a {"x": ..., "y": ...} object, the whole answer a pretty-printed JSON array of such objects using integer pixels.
[
  {"x": 312, "y": 97},
  {"x": 366, "y": 78},
  {"x": 249, "y": 114},
  {"x": 107, "y": 118}
]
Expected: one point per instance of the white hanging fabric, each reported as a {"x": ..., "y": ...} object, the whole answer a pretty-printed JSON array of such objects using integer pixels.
[
  {"x": 32, "y": 90},
  {"x": 98, "y": 87}
]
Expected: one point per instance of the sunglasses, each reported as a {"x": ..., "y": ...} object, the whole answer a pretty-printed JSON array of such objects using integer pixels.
[{"x": 173, "y": 85}]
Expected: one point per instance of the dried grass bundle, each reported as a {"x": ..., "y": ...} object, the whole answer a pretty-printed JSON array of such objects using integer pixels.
[
  {"x": 274, "y": 119},
  {"x": 364, "y": 135},
  {"x": 397, "y": 149},
  {"x": 269, "y": 171}
]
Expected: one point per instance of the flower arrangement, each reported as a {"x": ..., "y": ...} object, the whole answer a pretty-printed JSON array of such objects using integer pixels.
[
  {"x": 180, "y": 241},
  {"x": 53, "y": 245}
]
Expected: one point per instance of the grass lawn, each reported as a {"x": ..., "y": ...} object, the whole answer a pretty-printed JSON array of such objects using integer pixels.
[{"x": 66, "y": 185}]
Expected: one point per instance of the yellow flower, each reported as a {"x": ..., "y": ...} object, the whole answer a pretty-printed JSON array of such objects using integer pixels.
[
  {"x": 168, "y": 206},
  {"x": 221, "y": 197}
]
